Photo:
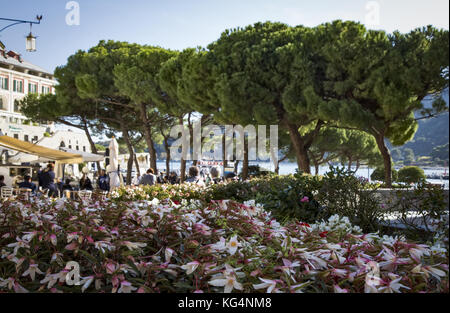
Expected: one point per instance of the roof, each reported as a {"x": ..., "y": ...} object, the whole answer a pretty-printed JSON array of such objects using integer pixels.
[
  {"x": 10, "y": 60},
  {"x": 30, "y": 148}
]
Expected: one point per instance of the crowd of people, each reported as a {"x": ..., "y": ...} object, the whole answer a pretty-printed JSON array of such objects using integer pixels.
[
  {"x": 47, "y": 181},
  {"x": 195, "y": 175}
]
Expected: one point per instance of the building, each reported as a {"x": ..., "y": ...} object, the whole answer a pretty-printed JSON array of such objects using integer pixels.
[{"x": 17, "y": 79}]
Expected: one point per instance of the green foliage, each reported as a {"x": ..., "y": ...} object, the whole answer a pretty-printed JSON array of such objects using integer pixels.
[
  {"x": 46, "y": 134},
  {"x": 430, "y": 221},
  {"x": 346, "y": 195},
  {"x": 378, "y": 174},
  {"x": 411, "y": 174},
  {"x": 441, "y": 152},
  {"x": 100, "y": 147}
]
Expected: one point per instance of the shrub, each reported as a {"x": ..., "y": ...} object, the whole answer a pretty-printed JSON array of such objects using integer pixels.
[
  {"x": 344, "y": 194},
  {"x": 378, "y": 174},
  {"x": 411, "y": 174},
  {"x": 161, "y": 247}
]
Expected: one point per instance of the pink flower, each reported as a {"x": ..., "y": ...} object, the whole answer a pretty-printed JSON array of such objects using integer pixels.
[{"x": 304, "y": 199}]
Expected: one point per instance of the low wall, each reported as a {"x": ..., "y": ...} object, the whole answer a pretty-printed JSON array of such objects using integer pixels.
[{"x": 387, "y": 196}]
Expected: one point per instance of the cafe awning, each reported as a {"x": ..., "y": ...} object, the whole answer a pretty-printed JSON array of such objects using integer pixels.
[{"x": 43, "y": 152}]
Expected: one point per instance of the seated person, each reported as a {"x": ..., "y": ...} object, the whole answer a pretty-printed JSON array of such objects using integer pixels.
[
  {"x": 27, "y": 184},
  {"x": 2, "y": 181},
  {"x": 48, "y": 180},
  {"x": 194, "y": 176},
  {"x": 67, "y": 185},
  {"x": 149, "y": 178},
  {"x": 85, "y": 183},
  {"x": 103, "y": 181}
]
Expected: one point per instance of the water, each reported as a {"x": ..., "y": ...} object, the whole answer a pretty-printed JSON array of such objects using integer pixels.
[{"x": 290, "y": 167}]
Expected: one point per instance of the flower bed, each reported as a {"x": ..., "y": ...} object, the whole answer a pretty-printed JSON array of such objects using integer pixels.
[{"x": 221, "y": 246}]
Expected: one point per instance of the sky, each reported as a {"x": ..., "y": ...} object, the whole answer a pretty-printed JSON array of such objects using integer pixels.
[{"x": 179, "y": 24}]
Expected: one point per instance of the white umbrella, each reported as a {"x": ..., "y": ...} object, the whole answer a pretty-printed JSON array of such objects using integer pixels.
[{"x": 115, "y": 179}]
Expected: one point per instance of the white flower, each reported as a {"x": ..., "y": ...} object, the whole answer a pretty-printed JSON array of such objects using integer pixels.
[
  {"x": 190, "y": 267},
  {"x": 126, "y": 287},
  {"x": 338, "y": 289},
  {"x": 266, "y": 283},
  {"x": 51, "y": 279},
  {"x": 393, "y": 286},
  {"x": 229, "y": 282},
  {"x": 233, "y": 245},
  {"x": 86, "y": 281},
  {"x": 168, "y": 254},
  {"x": 220, "y": 245},
  {"x": 32, "y": 270},
  {"x": 133, "y": 245}
]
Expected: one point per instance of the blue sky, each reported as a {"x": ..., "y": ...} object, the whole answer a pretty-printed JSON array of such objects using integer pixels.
[{"x": 179, "y": 24}]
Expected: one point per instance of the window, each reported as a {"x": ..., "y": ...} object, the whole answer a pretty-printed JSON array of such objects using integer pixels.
[
  {"x": 3, "y": 105},
  {"x": 16, "y": 136},
  {"x": 84, "y": 148},
  {"x": 4, "y": 84},
  {"x": 46, "y": 90},
  {"x": 32, "y": 88},
  {"x": 35, "y": 138},
  {"x": 70, "y": 146},
  {"x": 18, "y": 85},
  {"x": 25, "y": 138},
  {"x": 78, "y": 148},
  {"x": 16, "y": 106}
]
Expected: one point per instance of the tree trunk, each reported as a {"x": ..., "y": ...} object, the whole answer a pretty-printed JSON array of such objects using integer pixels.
[
  {"x": 236, "y": 166},
  {"x": 358, "y": 164},
  {"x": 245, "y": 163},
  {"x": 167, "y": 149},
  {"x": 224, "y": 156},
  {"x": 136, "y": 163},
  {"x": 386, "y": 159},
  {"x": 131, "y": 157},
  {"x": 182, "y": 161},
  {"x": 301, "y": 151},
  {"x": 148, "y": 136},
  {"x": 349, "y": 163},
  {"x": 92, "y": 144},
  {"x": 316, "y": 168}
]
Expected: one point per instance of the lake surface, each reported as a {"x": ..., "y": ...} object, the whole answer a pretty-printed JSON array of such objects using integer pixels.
[{"x": 290, "y": 168}]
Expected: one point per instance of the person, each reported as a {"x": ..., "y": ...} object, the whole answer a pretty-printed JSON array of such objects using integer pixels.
[
  {"x": 41, "y": 171},
  {"x": 136, "y": 180},
  {"x": 230, "y": 177},
  {"x": 2, "y": 181},
  {"x": 194, "y": 176},
  {"x": 173, "y": 178},
  {"x": 85, "y": 183},
  {"x": 48, "y": 180},
  {"x": 27, "y": 184},
  {"x": 103, "y": 181},
  {"x": 149, "y": 178},
  {"x": 215, "y": 175},
  {"x": 67, "y": 185}
]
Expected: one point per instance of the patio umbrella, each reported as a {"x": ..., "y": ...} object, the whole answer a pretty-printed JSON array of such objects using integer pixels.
[{"x": 115, "y": 178}]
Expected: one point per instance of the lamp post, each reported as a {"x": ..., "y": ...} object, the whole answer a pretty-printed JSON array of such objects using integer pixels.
[{"x": 30, "y": 39}]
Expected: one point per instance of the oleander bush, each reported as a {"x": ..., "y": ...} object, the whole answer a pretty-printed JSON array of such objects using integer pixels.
[{"x": 221, "y": 246}]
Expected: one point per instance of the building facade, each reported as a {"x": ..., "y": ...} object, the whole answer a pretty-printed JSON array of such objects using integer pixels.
[{"x": 19, "y": 78}]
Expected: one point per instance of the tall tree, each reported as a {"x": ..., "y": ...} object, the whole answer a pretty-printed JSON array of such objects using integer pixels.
[
  {"x": 375, "y": 81},
  {"x": 136, "y": 78}
]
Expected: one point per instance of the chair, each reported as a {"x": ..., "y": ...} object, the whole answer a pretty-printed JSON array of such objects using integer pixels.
[
  {"x": 85, "y": 194},
  {"x": 6, "y": 192},
  {"x": 24, "y": 194}
]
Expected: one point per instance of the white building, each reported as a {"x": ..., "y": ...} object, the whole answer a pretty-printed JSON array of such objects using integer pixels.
[{"x": 17, "y": 79}]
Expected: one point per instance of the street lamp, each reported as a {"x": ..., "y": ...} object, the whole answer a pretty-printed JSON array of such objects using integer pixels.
[{"x": 30, "y": 39}]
